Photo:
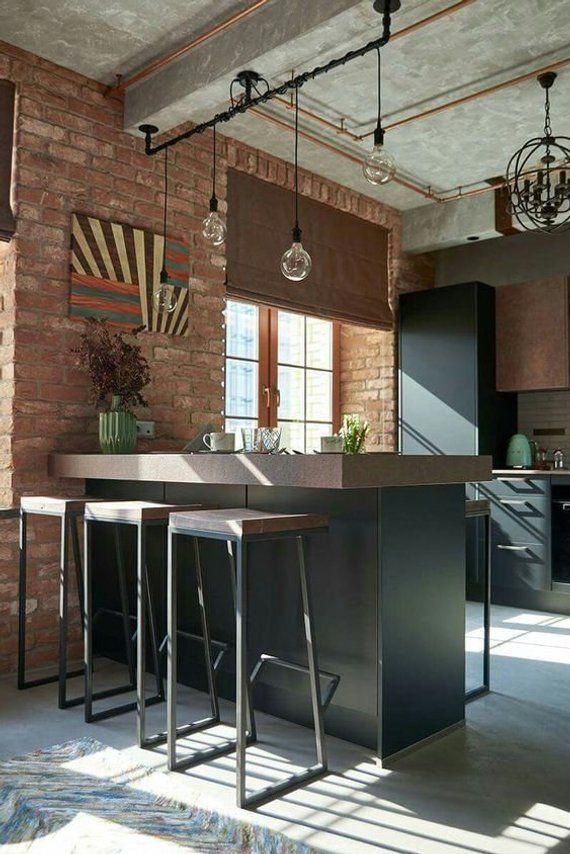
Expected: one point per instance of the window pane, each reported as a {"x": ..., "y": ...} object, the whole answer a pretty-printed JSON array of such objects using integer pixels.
[
  {"x": 241, "y": 388},
  {"x": 319, "y": 396},
  {"x": 291, "y": 332},
  {"x": 291, "y": 383},
  {"x": 292, "y": 436},
  {"x": 319, "y": 343},
  {"x": 314, "y": 433},
  {"x": 234, "y": 425},
  {"x": 242, "y": 325}
]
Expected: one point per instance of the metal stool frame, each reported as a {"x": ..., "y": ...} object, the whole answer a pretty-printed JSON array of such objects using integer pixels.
[
  {"x": 144, "y": 601},
  {"x": 478, "y": 513},
  {"x": 68, "y": 525},
  {"x": 244, "y": 708}
]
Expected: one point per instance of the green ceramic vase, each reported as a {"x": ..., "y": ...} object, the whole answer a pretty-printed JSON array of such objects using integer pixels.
[{"x": 117, "y": 429}]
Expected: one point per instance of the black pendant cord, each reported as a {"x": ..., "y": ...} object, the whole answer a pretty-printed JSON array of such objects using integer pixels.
[
  {"x": 294, "y": 83},
  {"x": 296, "y": 229},
  {"x": 163, "y": 273},
  {"x": 214, "y": 199},
  {"x": 378, "y": 131}
]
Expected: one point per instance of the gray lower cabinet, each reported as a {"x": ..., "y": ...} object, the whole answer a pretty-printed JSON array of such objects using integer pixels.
[
  {"x": 521, "y": 566},
  {"x": 520, "y": 533}
]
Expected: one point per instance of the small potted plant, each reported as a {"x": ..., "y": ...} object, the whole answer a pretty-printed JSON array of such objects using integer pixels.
[
  {"x": 353, "y": 433},
  {"x": 118, "y": 372}
]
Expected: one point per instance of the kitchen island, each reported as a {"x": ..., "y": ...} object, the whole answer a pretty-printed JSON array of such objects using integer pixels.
[{"x": 388, "y": 579}]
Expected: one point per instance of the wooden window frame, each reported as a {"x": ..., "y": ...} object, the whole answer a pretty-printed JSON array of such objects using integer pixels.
[{"x": 268, "y": 390}]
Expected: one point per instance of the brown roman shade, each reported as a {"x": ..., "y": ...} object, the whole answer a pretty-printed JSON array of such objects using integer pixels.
[
  {"x": 349, "y": 277},
  {"x": 7, "y": 100}
]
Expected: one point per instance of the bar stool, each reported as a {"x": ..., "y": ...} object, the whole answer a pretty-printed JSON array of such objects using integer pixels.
[
  {"x": 240, "y": 528},
  {"x": 68, "y": 511},
  {"x": 141, "y": 515},
  {"x": 477, "y": 509}
]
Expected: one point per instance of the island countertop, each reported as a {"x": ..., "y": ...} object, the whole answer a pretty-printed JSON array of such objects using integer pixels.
[{"x": 317, "y": 471}]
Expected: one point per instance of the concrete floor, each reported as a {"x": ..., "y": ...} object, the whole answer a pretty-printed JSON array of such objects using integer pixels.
[{"x": 501, "y": 784}]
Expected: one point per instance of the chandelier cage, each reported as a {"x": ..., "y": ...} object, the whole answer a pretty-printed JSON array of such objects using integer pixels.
[{"x": 538, "y": 176}]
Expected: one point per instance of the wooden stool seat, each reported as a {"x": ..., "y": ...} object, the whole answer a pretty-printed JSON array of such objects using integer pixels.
[
  {"x": 133, "y": 512},
  {"x": 480, "y": 507},
  {"x": 244, "y": 523},
  {"x": 42, "y": 505}
]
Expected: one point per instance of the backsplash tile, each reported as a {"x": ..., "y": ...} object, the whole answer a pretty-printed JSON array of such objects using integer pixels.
[{"x": 546, "y": 410}]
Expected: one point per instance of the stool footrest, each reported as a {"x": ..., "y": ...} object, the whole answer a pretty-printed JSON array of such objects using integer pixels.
[
  {"x": 262, "y": 796},
  {"x": 220, "y": 645},
  {"x": 47, "y": 680},
  {"x": 200, "y": 756},
  {"x": 264, "y": 659},
  {"x": 120, "y": 710}
]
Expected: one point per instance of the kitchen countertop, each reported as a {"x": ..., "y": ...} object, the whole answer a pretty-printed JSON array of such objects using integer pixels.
[{"x": 320, "y": 471}]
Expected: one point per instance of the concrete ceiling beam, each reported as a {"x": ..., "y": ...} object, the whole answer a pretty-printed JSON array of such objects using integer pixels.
[{"x": 275, "y": 39}]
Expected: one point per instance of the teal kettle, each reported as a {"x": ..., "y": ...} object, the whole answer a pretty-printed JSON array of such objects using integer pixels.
[{"x": 519, "y": 455}]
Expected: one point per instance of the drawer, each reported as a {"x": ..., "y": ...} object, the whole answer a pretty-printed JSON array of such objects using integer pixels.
[
  {"x": 520, "y": 520},
  {"x": 519, "y": 487},
  {"x": 521, "y": 566}
]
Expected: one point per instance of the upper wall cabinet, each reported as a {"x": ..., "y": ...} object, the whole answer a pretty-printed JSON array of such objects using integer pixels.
[{"x": 532, "y": 336}]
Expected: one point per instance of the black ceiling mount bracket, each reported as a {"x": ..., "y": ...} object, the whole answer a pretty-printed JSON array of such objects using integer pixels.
[
  {"x": 547, "y": 79},
  {"x": 148, "y": 131},
  {"x": 380, "y": 5}
]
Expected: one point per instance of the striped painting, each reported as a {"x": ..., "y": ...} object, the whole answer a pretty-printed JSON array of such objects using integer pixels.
[{"x": 115, "y": 269}]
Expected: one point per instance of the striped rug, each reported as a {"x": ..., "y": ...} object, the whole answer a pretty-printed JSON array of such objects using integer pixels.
[{"x": 84, "y": 796}]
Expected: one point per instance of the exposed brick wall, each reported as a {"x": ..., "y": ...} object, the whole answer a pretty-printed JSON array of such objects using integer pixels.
[{"x": 72, "y": 155}]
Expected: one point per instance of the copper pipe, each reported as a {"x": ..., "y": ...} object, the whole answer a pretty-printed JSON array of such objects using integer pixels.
[
  {"x": 489, "y": 90},
  {"x": 180, "y": 51},
  {"x": 443, "y": 13},
  {"x": 343, "y": 131},
  {"x": 427, "y": 193},
  {"x": 123, "y": 84}
]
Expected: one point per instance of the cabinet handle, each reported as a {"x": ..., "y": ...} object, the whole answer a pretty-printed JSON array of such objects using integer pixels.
[
  {"x": 511, "y": 501},
  {"x": 513, "y": 548},
  {"x": 566, "y": 506}
]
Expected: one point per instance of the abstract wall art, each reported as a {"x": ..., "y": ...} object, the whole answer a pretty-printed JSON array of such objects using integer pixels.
[{"x": 115, "y": 270}]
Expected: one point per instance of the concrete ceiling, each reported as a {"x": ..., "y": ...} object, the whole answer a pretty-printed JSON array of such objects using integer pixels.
[{"x": 481, "y": 44}]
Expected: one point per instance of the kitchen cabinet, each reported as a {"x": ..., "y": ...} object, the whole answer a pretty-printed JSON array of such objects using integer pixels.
[
  {"x": 520, "y": 533},
  {"x": 448, "y": 401},
  {"x": 533, "y": 350}
]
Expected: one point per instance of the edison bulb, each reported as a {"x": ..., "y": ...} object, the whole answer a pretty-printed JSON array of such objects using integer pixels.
[
  {"x": 379, "y": 167},
  {"x": 164, "y": 299},
  {"x": 296, "y": 263},
  {"x": 214, "y": 229}
]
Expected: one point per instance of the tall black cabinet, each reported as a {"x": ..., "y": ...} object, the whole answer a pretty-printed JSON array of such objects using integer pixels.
[{"x": 448, "y": 402}]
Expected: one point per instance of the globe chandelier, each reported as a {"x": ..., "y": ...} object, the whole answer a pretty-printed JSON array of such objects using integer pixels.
[{"x": 537, "y": 176}]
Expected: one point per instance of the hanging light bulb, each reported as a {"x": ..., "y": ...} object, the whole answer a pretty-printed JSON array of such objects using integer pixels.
[
  {"x": 213, "y": 226},
  {"x": 163, "y": 297},
  {"x": 379, "y": 167},
  {"x": 296, "y": 262}
]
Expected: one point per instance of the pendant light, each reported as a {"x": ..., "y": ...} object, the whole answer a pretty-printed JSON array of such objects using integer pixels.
[
  {"x": 537, "y": 175},
  {"x": 163, "y": 297},
  {"x": 213, "y": 227},
  {"x": 379, "y": 167},
  {"x": 296, "y": 262}
]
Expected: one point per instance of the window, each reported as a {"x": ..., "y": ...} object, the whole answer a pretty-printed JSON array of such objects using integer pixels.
[{"x": 281, "y": 370}]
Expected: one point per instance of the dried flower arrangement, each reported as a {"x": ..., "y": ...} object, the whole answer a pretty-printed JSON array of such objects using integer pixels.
[{"x": 116, "y": 366}]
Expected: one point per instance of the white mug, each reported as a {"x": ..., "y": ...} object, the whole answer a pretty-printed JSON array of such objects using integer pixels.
[
  {"x": 220, "y": 441},
  {"x": 331, "y": 444}
]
